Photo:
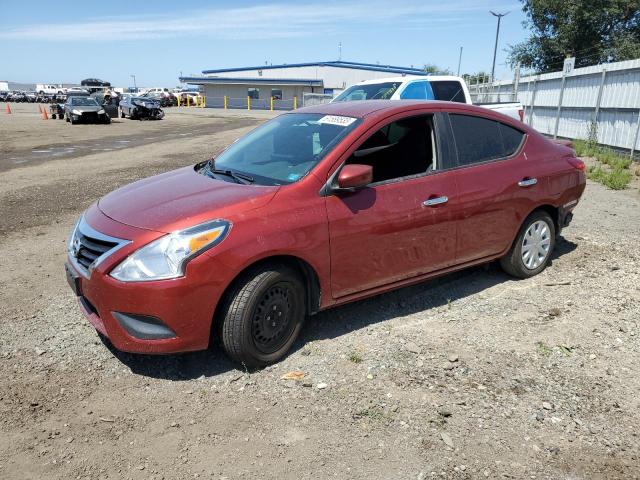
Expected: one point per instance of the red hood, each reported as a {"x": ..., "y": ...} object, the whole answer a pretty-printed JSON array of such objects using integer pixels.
[{"x": 180, "y": 199}]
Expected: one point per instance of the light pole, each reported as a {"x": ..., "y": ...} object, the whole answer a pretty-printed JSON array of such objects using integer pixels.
[
  {"x": 135, "y": 87},
  {"x": 495, "y": 48},
  {"x": 459, "y": 61}
]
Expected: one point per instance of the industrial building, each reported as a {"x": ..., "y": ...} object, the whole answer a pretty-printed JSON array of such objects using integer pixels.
[{"x": 287, "y": 86}]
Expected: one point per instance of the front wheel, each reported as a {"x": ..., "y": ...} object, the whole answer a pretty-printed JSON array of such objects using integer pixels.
[
  {"x": 531, "y": 251},
  {"x": 263, "y": 315}
]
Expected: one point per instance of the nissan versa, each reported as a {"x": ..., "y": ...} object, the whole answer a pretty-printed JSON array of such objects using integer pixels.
[{"x": 313, "y": 209}]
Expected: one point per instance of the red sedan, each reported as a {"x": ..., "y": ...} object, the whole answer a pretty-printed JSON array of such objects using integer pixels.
[{"x": 313, "y": 209}]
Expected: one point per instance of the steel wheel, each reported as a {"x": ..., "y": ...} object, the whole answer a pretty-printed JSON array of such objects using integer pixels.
[
  {"x": 536, "y": 245},
  {"x": 273, "y": 320}
]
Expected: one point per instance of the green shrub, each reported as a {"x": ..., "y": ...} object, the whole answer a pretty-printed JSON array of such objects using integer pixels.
[{"x": 615, "y": 178}]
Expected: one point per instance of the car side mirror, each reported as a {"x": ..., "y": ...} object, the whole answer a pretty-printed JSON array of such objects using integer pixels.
[{"x": 355, "y": 176}]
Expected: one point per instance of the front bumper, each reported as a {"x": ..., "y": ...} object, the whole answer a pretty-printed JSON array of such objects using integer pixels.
[
  {"x": 90, "y": 117},
  {"x": 165, "y": 316}
]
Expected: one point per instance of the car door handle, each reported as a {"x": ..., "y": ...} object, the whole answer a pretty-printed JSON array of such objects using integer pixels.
[
  {"x": 435, "y": 201},
  {"x": 527, "y": 182}
]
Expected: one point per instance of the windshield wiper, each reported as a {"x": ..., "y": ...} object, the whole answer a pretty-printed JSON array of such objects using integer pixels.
[{"x": 238, "y": 177}]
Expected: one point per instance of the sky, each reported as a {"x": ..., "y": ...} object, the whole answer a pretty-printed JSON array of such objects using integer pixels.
[{"x": 67, "y": 41}]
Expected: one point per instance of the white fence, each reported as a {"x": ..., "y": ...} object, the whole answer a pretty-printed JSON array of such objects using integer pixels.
[{"x": 601, "y": 102}]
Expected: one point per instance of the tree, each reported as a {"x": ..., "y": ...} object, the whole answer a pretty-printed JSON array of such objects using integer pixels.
[
  {"x": 436, "y": 70},
  {"x": 475, "y": 78},
  {"x": 593, "y": 31}
]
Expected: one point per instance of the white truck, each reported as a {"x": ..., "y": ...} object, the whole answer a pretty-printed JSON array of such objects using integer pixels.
[
  {"x": 50, "y": 89},
  {"x": 446, "y": 88}
]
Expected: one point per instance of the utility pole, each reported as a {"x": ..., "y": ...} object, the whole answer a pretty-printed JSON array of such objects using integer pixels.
[
  {"x": 495, "y": 48},
  {"x": 134, "y": 83},
  {"x": 459, "y": 60}
]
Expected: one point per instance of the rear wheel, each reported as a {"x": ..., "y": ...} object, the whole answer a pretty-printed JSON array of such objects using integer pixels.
[
  {"x": 531, "y": 251},
  {"x": 263, "y": 315}
]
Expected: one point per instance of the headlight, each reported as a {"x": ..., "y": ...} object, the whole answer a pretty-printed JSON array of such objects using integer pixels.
[
  {"x": 76, "y": 112},
  {"x": 101, "y": 111},
  {"x": 167, "y": 256}
]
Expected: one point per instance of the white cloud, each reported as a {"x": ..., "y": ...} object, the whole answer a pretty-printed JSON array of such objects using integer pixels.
[{"x": 262, "y": 21}]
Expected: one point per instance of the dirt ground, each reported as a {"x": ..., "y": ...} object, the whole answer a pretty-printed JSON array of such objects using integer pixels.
[{"x": 474, "y": 375}]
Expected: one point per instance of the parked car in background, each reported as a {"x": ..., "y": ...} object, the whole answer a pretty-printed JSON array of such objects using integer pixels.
[
  {"x": 82, "y": 109},
  {"x": 77, "y": 90},
  {"x": 140, "y": 108},
  {"x": 447, "y": 88},
  {"x": 347, "y": 200},
  {"x": 108, "y": 102},
  {"x": 50, "y": 89},
  {"x": 189, "y": 98},
  {"x": 165, "y": 99}
]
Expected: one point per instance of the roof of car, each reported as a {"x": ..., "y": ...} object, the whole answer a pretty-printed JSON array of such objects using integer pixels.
[
  {"x": 407, "y": 78},
  {"x": 384, "y": 108},
  {"x": 362, "y": 108}
]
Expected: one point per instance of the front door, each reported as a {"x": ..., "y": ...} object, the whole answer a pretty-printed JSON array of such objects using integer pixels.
[{"x": 404, "y": 223}]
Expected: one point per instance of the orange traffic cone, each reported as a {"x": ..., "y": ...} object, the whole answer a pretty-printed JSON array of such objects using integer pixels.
[
  {"x": 44, "y": 114},
  {"x": 8, "y": 108}
]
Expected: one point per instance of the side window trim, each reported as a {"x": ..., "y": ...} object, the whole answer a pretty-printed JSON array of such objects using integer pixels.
[{"x": 492, "y": 160}]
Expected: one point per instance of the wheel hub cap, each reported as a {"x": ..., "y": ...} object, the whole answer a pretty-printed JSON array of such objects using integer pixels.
[{"x": 536, "y": 244}]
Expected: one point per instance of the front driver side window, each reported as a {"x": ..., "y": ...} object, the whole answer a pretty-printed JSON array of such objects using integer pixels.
[{"x": 400, "y": 149}]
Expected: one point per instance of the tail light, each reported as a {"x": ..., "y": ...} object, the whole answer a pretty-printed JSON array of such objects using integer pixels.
[
  {"x": 521, "y": 114},
  {"x": 577, "y": 163}
]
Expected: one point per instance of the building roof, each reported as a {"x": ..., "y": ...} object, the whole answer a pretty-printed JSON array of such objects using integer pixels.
[
  {"x": 338, "y": 63},
  {"x": 251, "y": 80}
]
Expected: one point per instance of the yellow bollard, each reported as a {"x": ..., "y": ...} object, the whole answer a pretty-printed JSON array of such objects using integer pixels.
[
  {"x": 225, "y": 102},
  {"x": 178, "y": 98},
  {"x": 248, "y": 102},
  {"x": 272, "y": 104},
  {"x": 203, "y": 102},
  {"x": 188, "y": 101},
  {"x": 295, "y": 103}
]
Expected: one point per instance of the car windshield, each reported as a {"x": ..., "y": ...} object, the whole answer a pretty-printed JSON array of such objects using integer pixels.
[
  {"x": 84, "y": 102},
  {"x": 372, "y": 91},
  {"x": 284, "y": 149}
]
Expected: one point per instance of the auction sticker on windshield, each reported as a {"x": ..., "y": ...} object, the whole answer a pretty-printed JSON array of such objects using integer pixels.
[{"x": 337, "y": 120}]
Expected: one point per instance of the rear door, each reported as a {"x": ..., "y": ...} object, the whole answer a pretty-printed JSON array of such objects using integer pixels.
[
  {"x": 401, "y": 225},
  {"x": 496, "y": 184}
]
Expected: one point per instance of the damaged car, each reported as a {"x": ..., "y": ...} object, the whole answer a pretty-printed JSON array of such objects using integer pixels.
[
  {"x": 139, "y": 108},
  {"x": 79, "y": 109}
]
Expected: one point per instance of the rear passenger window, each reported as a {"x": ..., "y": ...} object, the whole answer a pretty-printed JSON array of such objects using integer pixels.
[
  {"x": 511, "y": 137},
  {"x": 448, "y": 91},
  {"x": 480, "y": 139}
]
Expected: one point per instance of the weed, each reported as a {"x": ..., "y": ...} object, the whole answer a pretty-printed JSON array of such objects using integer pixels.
[
  {"x": 355, "y": 357},
  {"x": 543, "y": 349}
]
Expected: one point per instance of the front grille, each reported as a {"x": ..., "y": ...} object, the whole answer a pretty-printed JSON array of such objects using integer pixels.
[
  {"x": 90, "y": 116},
  {"x": 88, "y": 247},
  {"x": 91, "y": 249}
]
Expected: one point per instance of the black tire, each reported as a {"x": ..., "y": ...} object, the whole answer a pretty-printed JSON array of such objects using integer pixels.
[
  {"x": 513, "y": 262},
  {"x": 263, "y": 315}
]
